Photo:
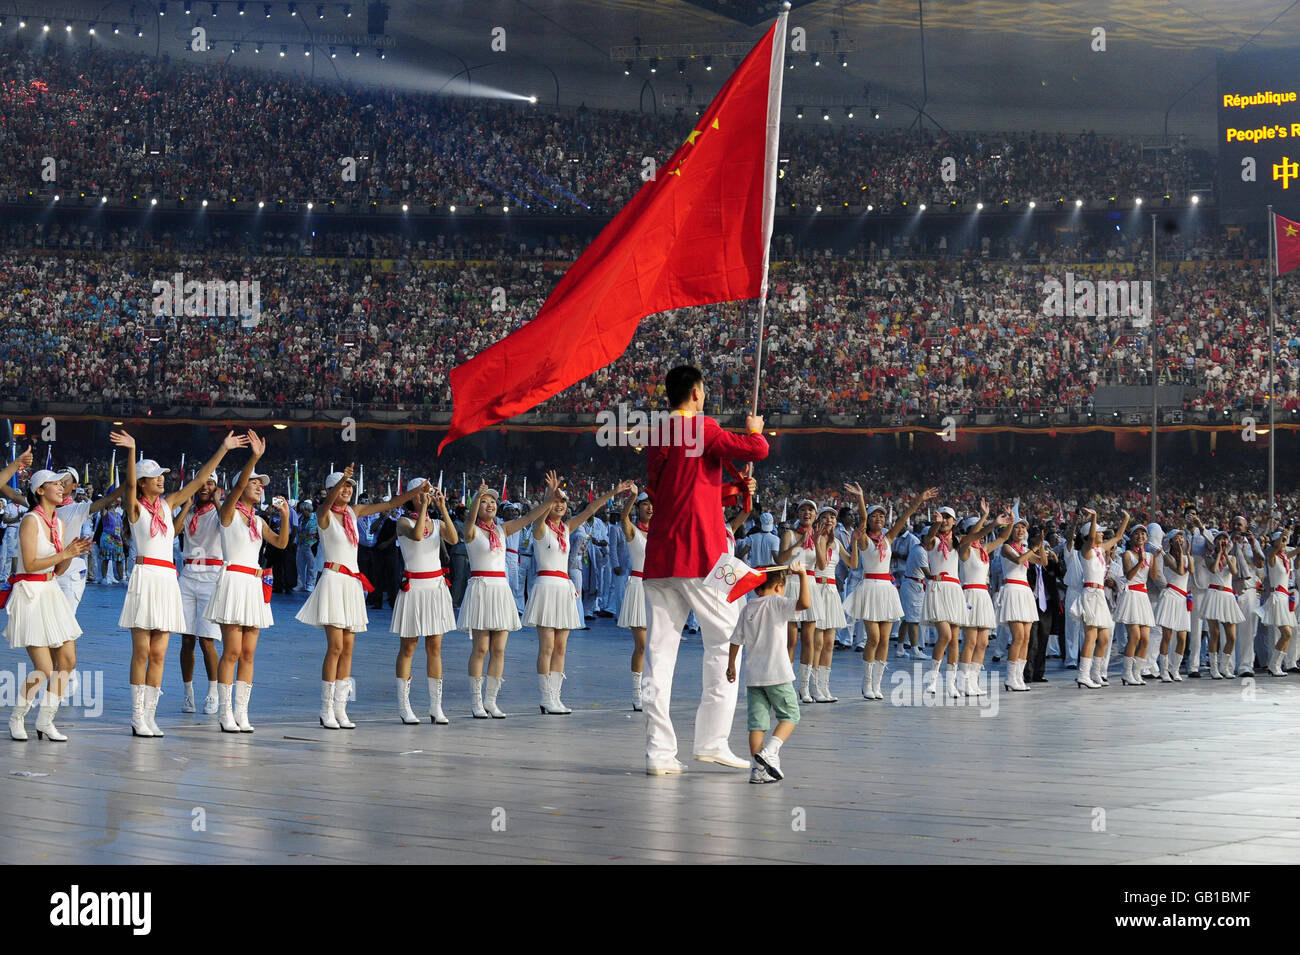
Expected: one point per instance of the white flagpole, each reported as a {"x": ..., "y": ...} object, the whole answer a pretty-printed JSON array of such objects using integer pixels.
[{"x": 775, "y": 77}]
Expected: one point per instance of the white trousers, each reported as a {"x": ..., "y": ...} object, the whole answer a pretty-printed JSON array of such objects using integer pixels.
[
  {"x": 1194, "y": 634},
  {"x": 668, "y": 601},
  {"x": 1244, "y": 652}
]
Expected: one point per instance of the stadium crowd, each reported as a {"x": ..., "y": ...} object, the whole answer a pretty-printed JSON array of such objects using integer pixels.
[{"x": 126, "y": 125}]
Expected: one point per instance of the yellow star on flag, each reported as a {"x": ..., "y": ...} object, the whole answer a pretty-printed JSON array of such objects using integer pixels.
[
  {"x": 690, "y": 140},
  {"x": 1290, "y": 230}
]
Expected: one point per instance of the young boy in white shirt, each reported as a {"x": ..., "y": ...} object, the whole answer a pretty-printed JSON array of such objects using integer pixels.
[{"x": 769, "y": 678}]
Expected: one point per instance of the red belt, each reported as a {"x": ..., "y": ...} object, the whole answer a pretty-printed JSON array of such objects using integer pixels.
[
  {"x": 944, "y": 578},
  {"x": 551, "y": 573},
  {"x": 155, "y": 562},
  {"x": 366, "y": 585},
  {"x": 410, "y": 575},
  {"x": 237, "y": 568},
  {"x": 34, "y": 578},
  {"x": 1280, "y": 590},
  {"x": 1176, "y": 589},
  {"x": 1013, "y": 580},
  {"x": 888, "y": 577},
  {"x": 974, "y": 586},
  {"x": 1096, "y": 586},
  {"x": 208, "y": 562},
  {"x": 488, "y": 573},
  {"x": 636, "y": 573},
  {"x": 824, "y": 580},
  {"x": 1226, "y": 590},
  {"x": 1139, "y": 588}
]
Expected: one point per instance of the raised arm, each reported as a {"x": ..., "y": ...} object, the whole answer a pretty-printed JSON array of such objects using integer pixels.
[
  {"x": 379, "y": 507},
  {"x": 229, "y": 443},
  {"x": 1119, "y": 533},
  {"x": 258, "y": 447},
  {"x": 331, "y": 498},
  {"x": 629, "y": 529},
  {"x": 23, "y": 460},
  {"x": 107, "y": 500},
  {"x": 280, "y": 538},
  {"x": 578, "y": 520},
  {"x": 130, "y": 505},
  {"x": 903, "y": 519},
  {"x": 975, "y": 533}
]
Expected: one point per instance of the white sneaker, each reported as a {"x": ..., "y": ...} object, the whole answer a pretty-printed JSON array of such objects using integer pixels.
[
  {"x": 758, "y": 774},
  {"x": 665, "y": 767},
  {"x": 770, "y": 762},
  {"x": 210, "y": 701},
  {"x": 187, "y": 704},
  {"x": 724, "y": 757}
]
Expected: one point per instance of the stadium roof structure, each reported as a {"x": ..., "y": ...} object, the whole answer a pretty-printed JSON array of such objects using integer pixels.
[{"x": 965, "y": 64}]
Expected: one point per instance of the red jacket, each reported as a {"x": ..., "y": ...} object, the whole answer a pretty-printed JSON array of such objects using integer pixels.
[{"x": 686, "y": 534}]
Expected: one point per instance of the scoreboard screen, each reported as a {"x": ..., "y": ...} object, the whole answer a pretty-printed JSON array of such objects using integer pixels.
[{"x": 1259, "y": 132}]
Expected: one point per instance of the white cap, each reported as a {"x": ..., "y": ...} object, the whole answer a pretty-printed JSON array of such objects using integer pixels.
[
  {"x": 42, "y": 477},
  {"x": 873, "y": 508},
  {"x": 72, "y": 473},
  {"x": 308, "y": 504},
  {"x": 335, "y": 478},
  {"x": 643, "y": 496},
  {"x": 967, "y": 524},
  {"x": 415, "y": 482},
  {"x": 148, "y": 468},
  {"x": 766, "y": 521},
  {"x": 493, "y": 492},
  {"x": 807, "y": 500},
  {"x": 825, "y": 510},
  {"x": 1169, "y": 538},
  {"x": 947, "y": 510},
  {"x": 264, "y": 478}
]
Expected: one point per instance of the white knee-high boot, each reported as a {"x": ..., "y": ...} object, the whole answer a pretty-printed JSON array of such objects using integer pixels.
[
  {"x": 226, "y": 716},
  {"x": 327, "y": 719}
]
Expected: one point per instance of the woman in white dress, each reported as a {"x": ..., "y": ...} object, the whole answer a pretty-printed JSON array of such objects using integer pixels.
[
  {"x": 797, "y": 544},
  {"x": 981, "y": 616},
  {"x": 240, "y": 604},
  {"x": 153, "y": 609},
  {"x": 552, "y": 607},
  {"x": 423, "y": 607},
  {"x": 876, "y": 600},
  {"x": 40, "y": 618},
  {"x": 631, "y": 615},
  {"x": 827, "y": 606},
  {"x": 487, "y": 610},
  {"x": 1277, "y": 609},
  {"x": 945, "y": 602},
  {"x": 1133, "y": 606},
  {"x": 1091, "y": 608},
  {"x": 1017, "y": 605},
  {"x": 1173, "y": 611},
  {"x": 1221, "y": 610},
  {"x": 338, "y": 604}
]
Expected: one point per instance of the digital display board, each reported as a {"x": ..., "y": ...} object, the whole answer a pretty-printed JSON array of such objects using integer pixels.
[{"x": 1259, "y": 131}]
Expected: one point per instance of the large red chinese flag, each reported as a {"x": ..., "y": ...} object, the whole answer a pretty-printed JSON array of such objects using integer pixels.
[
  {"x": 1288, "y": 244},
  {"x": 696, "y": 234}
]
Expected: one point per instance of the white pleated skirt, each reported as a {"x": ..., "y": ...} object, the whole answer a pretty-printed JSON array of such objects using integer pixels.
[
  {"x": 1017, "y": 604},
  {"x": 1276, "y": 611},
  {"x": 237, "y": 599},
  {"x": 1172, "y": 613},
  {"x": 338, "y": 601},
  {"x": 1092, "y": 609},
  {"x": 944, "y": 603},
  {"x": 552, "y": 603},
  {"x": 39, "y": 616},
  {"x": 911, "y": 594},
  {"x": 632, "y": 613},
  {"x": 489, "y": 604},
  {"x": 875, "y": 601},
  {"x": 424, "y": 610},
  {"x": 827, "y": 607},
  {"x": 153, "y": 601},
  {"x": 979, "y": 610},
  {"x": 1220, "y": 606},
  {"x": 1135, "y": 608}
]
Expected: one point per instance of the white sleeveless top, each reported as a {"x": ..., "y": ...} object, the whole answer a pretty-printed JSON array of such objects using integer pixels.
[
  {"x": 159, "y": 547},
  {"x": 44, "y": 546},
  {"x": 1013, "y": 571},
  {"x": 482, "y": 557},
  {"x": 1279, "y": 573},
  {"x": 1139, "y": 577},
  {"x": 827, "y": 573},
  {"x": 869, "y": 558},
  {"x": 1221, "y": 578},
  {"x": 338, "y": 549},
  {"x": 807, "y": 554},
  {"x": 636, "y": 547},
  {"x": 974, "y": 570},
  {"x": 947, "y": 566},
  {"x": 547, "y": 553},
  {"x": 236, "y": 545},
  {"x": 1094, "y": 568},
  {"x": 422, "y": 556},
  {"x": 204, "y": 543},
  {"x": 1172, "y": 578}
]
